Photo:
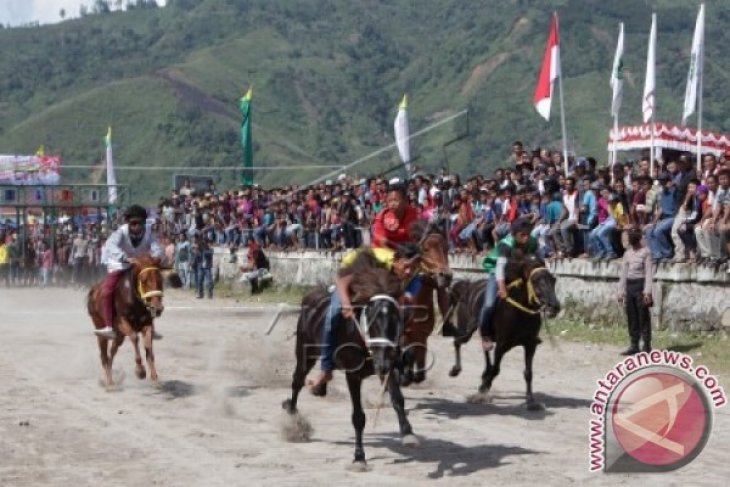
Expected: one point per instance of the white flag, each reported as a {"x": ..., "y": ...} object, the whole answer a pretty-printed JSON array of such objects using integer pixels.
[
  {"x": 617, "y": 75},
  {"x": 648, "y": 105},
  {"x": 695, "y": 66},
  {"x": 402, "y": 134},
  {"x": 111, "y": 178}
]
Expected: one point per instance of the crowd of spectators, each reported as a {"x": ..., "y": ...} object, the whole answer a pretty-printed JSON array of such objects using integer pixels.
[{"x": 684, "y": 216}]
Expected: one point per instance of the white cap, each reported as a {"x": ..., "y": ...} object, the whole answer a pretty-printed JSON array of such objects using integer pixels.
[
  {"x": 341, "y": 177},
  {"x": 395, "y": 181}
]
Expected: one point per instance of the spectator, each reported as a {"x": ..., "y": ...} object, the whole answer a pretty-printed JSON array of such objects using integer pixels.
[
  {"x": 634, "y": 291},
  {"x": 182, "y": 260},
  {"x": 202, "y": 260},
  {"x": 4, "y": 261},
  {"x": 658, "y": 233},
  {"x": 564, "y": 234},
  {"x": 46, "y": 264},
  {"x": 257, "y": 265},
  {"x": 688, "y": 215}
]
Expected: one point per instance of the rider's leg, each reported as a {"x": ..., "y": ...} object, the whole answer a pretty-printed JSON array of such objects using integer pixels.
[
  {"x": 327, "y": 362},
  {"x": 107, "y": 296},
  {"x": 485, "y": 316}
]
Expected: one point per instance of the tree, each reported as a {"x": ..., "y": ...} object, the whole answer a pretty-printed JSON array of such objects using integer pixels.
[
  {"x": 101, "y": 7},
  {"x": 83, "y": 10},
  {"x": 62, "y": 13},
  {"x": 118, "y": 4}
]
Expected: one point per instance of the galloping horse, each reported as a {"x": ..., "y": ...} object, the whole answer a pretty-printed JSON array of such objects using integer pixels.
[
  {"x": 137, "y": 302},
  {"x": 517, "y": 320},
  {"x": 435, "y": 274},
  {"x": 363, "y": 348}
]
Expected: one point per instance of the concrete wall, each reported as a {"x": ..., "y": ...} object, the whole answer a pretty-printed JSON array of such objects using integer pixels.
[{"x": 686, "y": 297}]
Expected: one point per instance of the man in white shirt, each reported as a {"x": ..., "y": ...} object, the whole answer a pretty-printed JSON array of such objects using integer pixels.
[{"x": 131, "y": 240}]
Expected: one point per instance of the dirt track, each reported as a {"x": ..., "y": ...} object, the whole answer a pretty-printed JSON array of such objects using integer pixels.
[{"x": 217, "y": 420}]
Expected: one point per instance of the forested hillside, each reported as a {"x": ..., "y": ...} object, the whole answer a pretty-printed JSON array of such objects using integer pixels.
[{"x": 327, "y": 77}]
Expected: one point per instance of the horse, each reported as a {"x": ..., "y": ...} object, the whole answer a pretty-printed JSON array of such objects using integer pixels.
[
  {"x": 435, "y": 275},
  {"x": 366, "y": 346},
  {"x": 516, "y": 320},
  {"x": 137, "y": 302}
]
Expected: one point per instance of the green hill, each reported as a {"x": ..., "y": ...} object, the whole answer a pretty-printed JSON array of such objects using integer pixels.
[{"x": 327, "y": 78}]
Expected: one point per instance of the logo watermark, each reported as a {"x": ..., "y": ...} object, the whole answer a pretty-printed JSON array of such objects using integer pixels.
[{"x": 652, "y": 413}]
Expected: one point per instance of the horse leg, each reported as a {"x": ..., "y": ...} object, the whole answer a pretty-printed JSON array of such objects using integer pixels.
[
  {"x": 396, "y": 399},
  {"x": 456, "y": 368},
  {"x": 304, "y": 365},
  {"x": 149, "y": 353},
  {"x": 105, "y": 362},
  {"x": 406, "y": 377},
  {"x": 530, "y": 348},
  {"x": 492, "y": 370},
  {"x": 139, "y": 370},
  {"x": 358, "y": 418}
]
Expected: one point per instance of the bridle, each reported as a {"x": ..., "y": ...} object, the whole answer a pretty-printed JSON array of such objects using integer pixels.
[
  {"x": 145, "y": 295},
  {"x": 425, "y": 271},
  {"x": 364, "y": 325},
  {"x": 532, "y": 299}
]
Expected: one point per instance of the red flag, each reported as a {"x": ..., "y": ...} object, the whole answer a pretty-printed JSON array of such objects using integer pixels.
[{"x": 549, "y": 71}]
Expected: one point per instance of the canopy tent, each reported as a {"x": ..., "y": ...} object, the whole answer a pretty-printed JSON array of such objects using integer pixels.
[{"x": 667, "y": 136}]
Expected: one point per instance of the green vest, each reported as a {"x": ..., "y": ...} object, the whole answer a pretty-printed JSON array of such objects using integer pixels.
[{"x": 490, "y": 261}]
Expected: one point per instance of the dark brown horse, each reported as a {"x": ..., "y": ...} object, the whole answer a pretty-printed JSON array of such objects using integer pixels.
[
  {"x": 365, "y": 346},
  {"x": 137, "y": 302},
  {"x": 436, "y": 276},
  {"x": 517, "y": 320}
]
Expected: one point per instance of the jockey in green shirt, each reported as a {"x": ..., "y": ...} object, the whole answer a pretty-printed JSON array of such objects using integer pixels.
[{"x": 494, "y": 265}]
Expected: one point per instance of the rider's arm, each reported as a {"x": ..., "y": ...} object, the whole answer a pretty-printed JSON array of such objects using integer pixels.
[
  {"x": 342, "y": 286},
  {"x": 112, "y": 249},
  {"x": 499, "y": 274},
  {"x": 156, "y": 250}
]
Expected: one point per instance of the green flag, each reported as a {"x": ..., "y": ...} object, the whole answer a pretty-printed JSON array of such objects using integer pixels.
[{"x": 246, "y": 139}]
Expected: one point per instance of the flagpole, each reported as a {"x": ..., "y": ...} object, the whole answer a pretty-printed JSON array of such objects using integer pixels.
[
  {"x": 699, "y": 115},
  {"x": 614, "y": 152},
  {"x": 562, "y": 109},
  {"x": 651, "y": 148}
]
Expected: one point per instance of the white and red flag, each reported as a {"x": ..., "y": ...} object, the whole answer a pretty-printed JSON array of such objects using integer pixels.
[{"x": 549, "y": 72}]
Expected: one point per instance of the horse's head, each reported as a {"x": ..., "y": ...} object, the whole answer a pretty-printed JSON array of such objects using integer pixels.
[
  {"x": 540, "y": 286},
  {"x": 434, "y": 253},
  {"x": 381, "y": 325},
  {"x": 149, "y": 284}
]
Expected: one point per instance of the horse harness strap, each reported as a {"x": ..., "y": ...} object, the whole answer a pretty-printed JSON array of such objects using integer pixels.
[
  {"x": 531, "y": 295},
  {"x": 140, "y": 288}
]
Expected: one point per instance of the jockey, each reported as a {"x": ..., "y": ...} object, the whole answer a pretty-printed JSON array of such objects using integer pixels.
[
  {"x": 494, "y": 264},
  {"x": 128, "y": 242},
  {"x": 402, "y": 263},
  {"x": 393, "y": 224}
]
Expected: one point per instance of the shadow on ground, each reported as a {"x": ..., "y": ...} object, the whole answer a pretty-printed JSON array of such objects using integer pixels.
[
  {"x": 502, "y": 405},
  {"x": 451, "y": 459}
]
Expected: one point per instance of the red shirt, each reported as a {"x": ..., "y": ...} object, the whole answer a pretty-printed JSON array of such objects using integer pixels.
[{"x": 389, "y": 231}]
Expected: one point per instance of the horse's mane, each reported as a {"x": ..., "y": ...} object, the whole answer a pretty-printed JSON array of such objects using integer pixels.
[
  {"x": 147, "y": 261},
  {"x": 374, "y": 280},
  {"x": 421, "y": 228}
]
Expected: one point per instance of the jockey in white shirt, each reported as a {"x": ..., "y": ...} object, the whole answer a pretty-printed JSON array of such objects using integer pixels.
[{"x": 132, "y": 240}]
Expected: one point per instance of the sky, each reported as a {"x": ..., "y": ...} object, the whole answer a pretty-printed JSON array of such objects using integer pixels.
[{"x": 16, "y": 12}]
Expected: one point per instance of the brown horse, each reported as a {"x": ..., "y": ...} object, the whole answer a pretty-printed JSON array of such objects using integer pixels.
[
  {"x": 517, "y": 320},
  {"x": 137, "y": 302},
  {"x": 435, "y": 276},
  {"x": 368, "y": 345}
]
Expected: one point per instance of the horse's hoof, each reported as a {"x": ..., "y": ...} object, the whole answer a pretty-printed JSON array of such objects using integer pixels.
[
  {"x": 141, "y": 373},
  {"x": 320, "y": 390},
  {"x": 535, "y": 406},
  {"x": 454, "y": 371},
  {"x": 410, "y": 441},
  {"x": 419, "y": 377},
  {"x": 288, "y": 406},
  {"x": 358, "y": 466},
  {"x": 479, "y": 398}
]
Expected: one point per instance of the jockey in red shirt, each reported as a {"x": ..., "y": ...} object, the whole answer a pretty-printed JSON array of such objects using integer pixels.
[{"x": 392, "y": 225}]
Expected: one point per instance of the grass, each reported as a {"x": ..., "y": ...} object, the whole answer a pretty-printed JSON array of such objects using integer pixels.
[
  {"x": 710, "y": 349},
  {"x": 288, "y": 294}
]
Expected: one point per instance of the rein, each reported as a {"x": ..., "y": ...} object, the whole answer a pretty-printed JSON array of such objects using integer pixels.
[
  {"x": 140, "y": 288},
  {"x": 364, "y": 326},
  {"x": 532, "y": 299}
]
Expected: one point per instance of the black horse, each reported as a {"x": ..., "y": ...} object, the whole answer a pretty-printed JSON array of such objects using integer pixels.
[
  {"x": 363, "y": 347},
  {"x": 516, "y": 320}
]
